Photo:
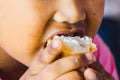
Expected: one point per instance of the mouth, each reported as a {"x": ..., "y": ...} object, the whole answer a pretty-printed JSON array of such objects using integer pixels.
[
  {"x": 78, "y": 30},
  {"x": 72, "y": 33},
  {"x": 67, "y": 30},
  {"x": 67, "y": 33}
]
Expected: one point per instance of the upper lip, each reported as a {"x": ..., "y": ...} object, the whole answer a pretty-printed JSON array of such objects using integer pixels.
[
  {"x": 78, "y": 30},
  {"x": 75, "y": 32}
]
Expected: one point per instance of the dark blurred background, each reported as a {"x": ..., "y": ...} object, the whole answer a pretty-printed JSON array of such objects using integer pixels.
[{"x": 110, "y": 29}]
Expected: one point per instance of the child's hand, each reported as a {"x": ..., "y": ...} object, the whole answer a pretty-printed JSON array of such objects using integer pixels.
[
  {"x": 97, "y": 72},
  {"x": 45, "y": 67}
]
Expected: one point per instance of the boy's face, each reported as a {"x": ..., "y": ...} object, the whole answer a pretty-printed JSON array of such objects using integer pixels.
[{"x": 25, "y": 24}]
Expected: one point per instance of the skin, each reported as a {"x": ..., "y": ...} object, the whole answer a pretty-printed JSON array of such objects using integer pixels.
[{"x": 27, "y": 24}]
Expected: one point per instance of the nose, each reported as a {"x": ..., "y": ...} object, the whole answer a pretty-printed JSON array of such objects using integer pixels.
[{"x": 70, "y": 11}]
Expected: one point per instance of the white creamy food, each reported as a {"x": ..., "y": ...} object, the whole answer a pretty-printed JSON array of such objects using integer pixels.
[{"x": 76, "y": 45}]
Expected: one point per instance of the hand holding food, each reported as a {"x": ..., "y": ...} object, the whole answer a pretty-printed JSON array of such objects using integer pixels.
[
  {"x": 66, "y": 66},
  {"x": 48, "y": 65}
]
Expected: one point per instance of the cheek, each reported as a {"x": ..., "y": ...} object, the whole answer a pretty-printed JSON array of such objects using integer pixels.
[
  {"x": 21, "y": 27},
  {"x": 19, "y": 30},
  {"x": 95, "y": 12}
]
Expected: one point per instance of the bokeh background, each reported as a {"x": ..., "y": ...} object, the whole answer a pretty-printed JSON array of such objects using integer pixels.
[{"x": 110, "y": 29}]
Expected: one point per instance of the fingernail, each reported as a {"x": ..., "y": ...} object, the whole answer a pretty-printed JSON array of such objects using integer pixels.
[
  {"x": 55, "y": 44},
  {"x": 90, "y": 57},
  {"x": 90, "y": 74}
]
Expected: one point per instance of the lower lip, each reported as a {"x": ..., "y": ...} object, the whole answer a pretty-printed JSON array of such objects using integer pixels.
[{"x": 82, "y": 31}]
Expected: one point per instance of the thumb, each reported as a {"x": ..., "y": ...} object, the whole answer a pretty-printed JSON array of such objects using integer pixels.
[
  {"x": 98, "y": 67},
  {"x": 45, "y": 57}
]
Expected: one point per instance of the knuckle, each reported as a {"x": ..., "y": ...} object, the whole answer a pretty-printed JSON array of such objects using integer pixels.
[
  {"x": 50, "y": 50},
  {"x": 76, "y": 61},
  {"x": 42, "y": 60},
  {"x": 81, "y": 60}
]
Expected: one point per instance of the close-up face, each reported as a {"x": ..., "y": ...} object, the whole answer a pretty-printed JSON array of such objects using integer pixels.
[{"x": 26, "y": 24}]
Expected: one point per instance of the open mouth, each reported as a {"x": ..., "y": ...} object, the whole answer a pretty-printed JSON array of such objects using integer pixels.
[
  {"x": 67, "y": 30},
  {"x": 71, "y": 33}
]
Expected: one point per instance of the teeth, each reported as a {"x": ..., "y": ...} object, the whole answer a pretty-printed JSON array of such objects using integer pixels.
[
  {"x": 71, "y": 33},
  {"x": 65, "y": 34}
]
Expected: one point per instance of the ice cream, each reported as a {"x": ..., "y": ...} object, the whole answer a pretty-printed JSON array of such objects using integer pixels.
[{"x": 76, "y": 45}]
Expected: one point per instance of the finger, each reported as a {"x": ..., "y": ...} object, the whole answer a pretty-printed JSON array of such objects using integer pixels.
[
  {"x": 51, "y": 52},
  {"x": 64, "y": 65},
  {"x": 74, "y": 75},
  {"x": 46, "y": 56},
  {"x": 91, "y": 74},
  {"x": 98, "y": 67}
]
